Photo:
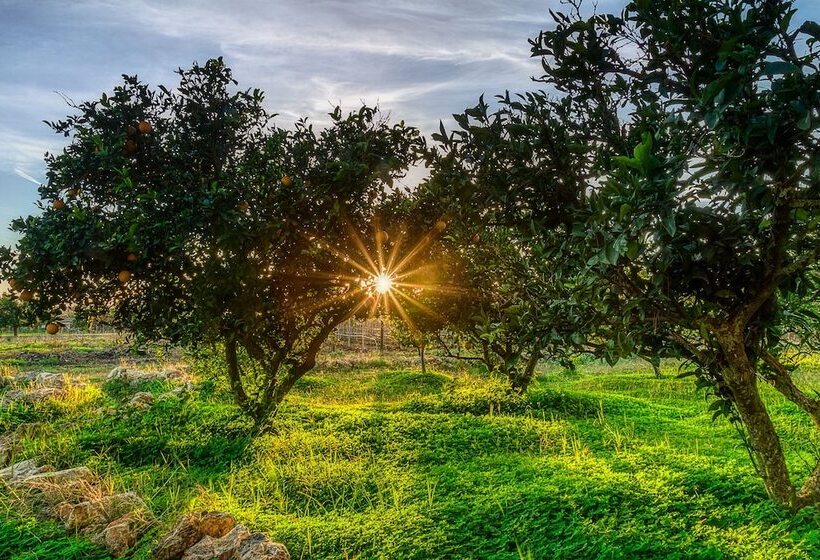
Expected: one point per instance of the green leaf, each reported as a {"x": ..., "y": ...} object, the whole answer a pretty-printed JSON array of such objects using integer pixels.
[
  {"x": 805, "y": 122},
  {"x": 779, "y": 67},
  {"x": 811, "y": 28},
  {"x": 669, "y": 223}
]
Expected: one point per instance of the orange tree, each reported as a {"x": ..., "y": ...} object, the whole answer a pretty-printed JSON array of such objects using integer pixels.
[
  {"x": 672, "y": 182},
  {"x": 499, "y": 298},
  {"x": 427, "y": 294},
  {"x": 199, "y": 222}
]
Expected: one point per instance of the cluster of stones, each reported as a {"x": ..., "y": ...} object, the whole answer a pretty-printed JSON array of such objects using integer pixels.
[
  {"x": 34, "y": 387},
  {"x": 216, "y": 535},
  {"x": 77, "y": 498},
  {"x": 143, "y": 400}
]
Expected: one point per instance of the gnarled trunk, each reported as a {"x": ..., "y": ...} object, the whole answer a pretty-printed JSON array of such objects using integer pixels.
[
  {"x": 520, "y": 379},
  {"x": 740, "y": 376},
  {"x": 421, "y": 348}
]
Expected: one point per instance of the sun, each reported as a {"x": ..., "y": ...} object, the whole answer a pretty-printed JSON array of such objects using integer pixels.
[{"x": 383, "y": 283}]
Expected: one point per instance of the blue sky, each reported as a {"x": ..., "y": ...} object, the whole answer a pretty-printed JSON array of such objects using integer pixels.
[{"x": 421, "y": 60}]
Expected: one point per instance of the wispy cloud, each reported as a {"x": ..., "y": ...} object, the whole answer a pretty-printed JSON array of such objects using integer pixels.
[
  {"x": 421, "y": 60},
  {"x": 26, "y": 176}
]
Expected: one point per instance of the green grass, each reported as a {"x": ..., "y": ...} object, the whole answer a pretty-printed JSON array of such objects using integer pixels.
[{"x": 372, "y": 459}]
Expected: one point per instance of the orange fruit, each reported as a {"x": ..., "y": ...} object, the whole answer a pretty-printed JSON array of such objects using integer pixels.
[
  {"x": 145, "y": 127},
  {"x": 381, "y": 236},
  {"x": 132, "y": 257},
  {"x": 73, "y": 193},
  {"x": 287, "y": 181},
  {"x": 57, "y": 204},
  {"x": 124, "y": 276},
  {"x": 26, "y": 295},
  {"x": 244, "y": 206},
  {"x": 13, "y": 284},
  {"x": 441, "y": 225},
  {"x": 130, "y": 130},
  {"x": 476, "y": 238},
  {"x": 130, "y": 147},
  {"x": 52, "y": 328}
]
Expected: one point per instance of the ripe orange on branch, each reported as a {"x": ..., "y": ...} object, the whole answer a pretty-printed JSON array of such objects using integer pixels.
[
  {"x": 57, "y": 204},
  {"x": 26, "y": 295},
  {"x": 130, "y": 147},
  {"x": 132, "y": 257},
  {"x": 124, "y": 276},
  {"x": 441, "y": 225},
  {"x": 381, "y": 236},
  {"x": 13, "y": 283},
  {"x": 145, "y": 127},
  {"x": 287, "y": 181}
]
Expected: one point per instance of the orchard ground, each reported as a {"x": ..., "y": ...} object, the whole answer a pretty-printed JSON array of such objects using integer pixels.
[{"x": 369, "y": 458}]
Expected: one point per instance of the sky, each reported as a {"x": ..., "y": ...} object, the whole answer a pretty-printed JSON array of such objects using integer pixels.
[{"x": 421, "y": 60}]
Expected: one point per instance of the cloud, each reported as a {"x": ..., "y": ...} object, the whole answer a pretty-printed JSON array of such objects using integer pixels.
[{"x": 26, "y": 176}]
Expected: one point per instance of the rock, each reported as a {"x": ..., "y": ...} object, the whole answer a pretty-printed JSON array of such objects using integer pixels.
[
  {"x": 42, "y": 379},
  {"x": 216, "y": 524},
  {"x": 52, "y": 487},
  {"x": 29, "y": 429},
  {"x": 185, "y": 534},
  {"x": 21, "y": 470},
  {"x": 9, "y": 447},
  {"x": 223, "y": 548},
  {"x": 57, "y": 478},
  {"x": 259, "y": 547},
  {"x": 142, "y": 400},
  {"x": 98, "y": 512},
  {"x": 134, "y": 376},
  {"x": 173, "y": 374},
  {"x": 33, "y": 396},
  {"x": 122, "y": 533},
  {"x": 189, "y": 530}
]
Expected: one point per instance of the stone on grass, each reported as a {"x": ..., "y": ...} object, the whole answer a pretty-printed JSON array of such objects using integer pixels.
[
  {"x": 189, "y": 530},
  {"x": 222, "y": 548},
  {"x": 121, "y": 534},
  {"x": 33, "y": 396},
  {"x": 133, "y": 376},
  {"x": 47, "y": 494},
  {"x": 42, "y": 379},
  {"x": 259, "y": 547},
  {"x": 21, "y": 470},
  {"x": 9, "y": 447},
  {"x": 142, "y": 400},
  {"x": 185, "y": 534},
  {"x": 98, "y": 512},
  {"x": 57, "y": 478},
  {"x": 216, "y": 524}
]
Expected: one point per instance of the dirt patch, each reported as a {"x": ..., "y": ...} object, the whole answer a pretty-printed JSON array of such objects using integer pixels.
[{"x": 73, "y": 357}]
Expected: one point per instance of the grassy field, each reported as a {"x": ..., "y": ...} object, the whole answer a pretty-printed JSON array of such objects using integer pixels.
[{"x": 370, "y": 458}]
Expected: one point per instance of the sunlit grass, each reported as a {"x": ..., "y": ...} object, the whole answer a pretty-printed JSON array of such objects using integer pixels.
[{"x": 370, "y": 458}]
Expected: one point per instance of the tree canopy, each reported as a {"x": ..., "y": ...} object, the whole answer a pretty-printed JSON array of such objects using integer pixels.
[
  {"x": 200, "y": 222},
  {"x": 670, "y": 178}
]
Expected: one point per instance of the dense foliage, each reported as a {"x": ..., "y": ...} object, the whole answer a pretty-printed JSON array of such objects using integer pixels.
[
  {"x": 672, "y": 184},
  {"x": 199, "y": 222}
]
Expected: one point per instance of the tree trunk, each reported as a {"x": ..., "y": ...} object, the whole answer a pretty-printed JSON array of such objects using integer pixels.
[
  {"x": 15, "y": 328},
  {"x": 741, "y": 379},
  {"x": 235, "y": 376},
  {"x": 520, "y": 380},
  {"x": 423, "y": 361},
  {"x": 488, "y": 362}
]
